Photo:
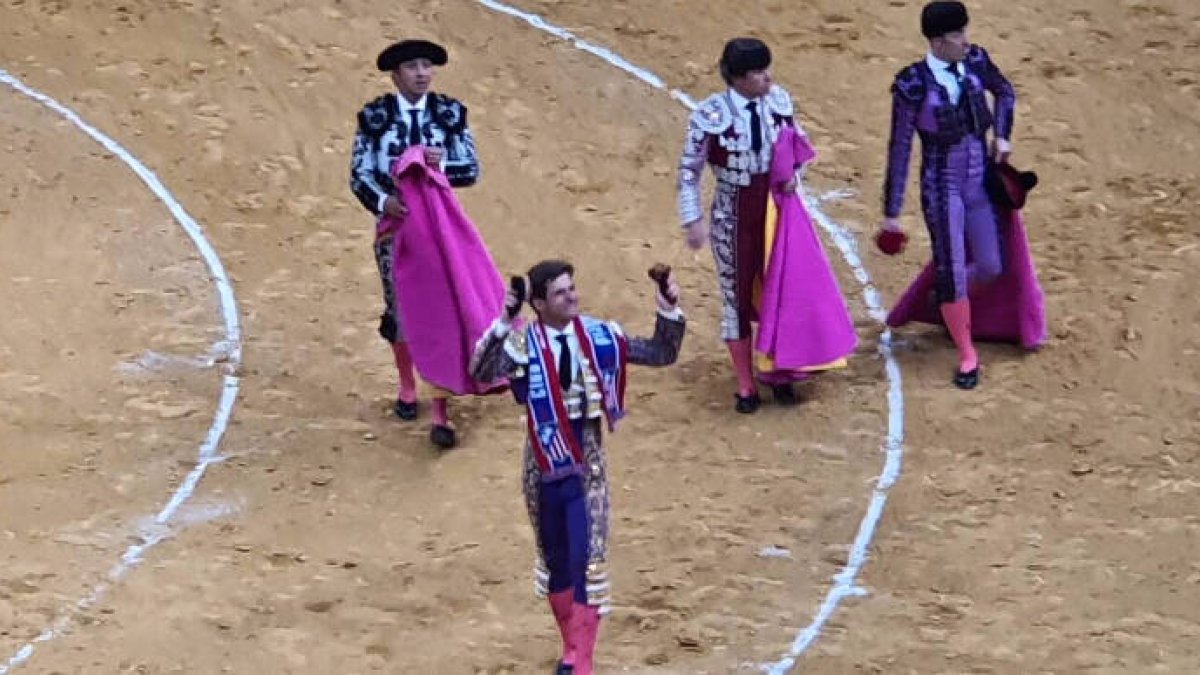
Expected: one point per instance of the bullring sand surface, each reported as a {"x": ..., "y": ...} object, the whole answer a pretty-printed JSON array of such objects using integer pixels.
[{"x": 1046, "y": 522}]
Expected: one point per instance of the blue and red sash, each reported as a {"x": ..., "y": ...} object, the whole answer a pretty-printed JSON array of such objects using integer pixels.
[{"x": 555, "y": 446}]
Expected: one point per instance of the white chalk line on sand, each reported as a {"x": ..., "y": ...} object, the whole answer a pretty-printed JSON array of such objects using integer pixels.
[
  {"x": 230, "y": 349},
  {"x": 844, "y": 583}
]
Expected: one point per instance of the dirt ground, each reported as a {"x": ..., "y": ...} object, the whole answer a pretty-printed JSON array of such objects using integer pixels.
[{"x": 1046, "y": 522}]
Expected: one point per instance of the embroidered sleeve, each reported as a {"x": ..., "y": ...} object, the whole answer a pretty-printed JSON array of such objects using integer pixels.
[
  {"x": 462, "y": 159},
  {"x": 501, "y": 352},
  {"x": 908, "y": 91},
  {"x": 675, "y": 314},
  {"x": 663, "y": 348},
  {"x": 362, "y": 174},
  {"x": 467, "y": 172},
  {"x": 691, "y": 168},
  {"x": 1002, "y": 90}
]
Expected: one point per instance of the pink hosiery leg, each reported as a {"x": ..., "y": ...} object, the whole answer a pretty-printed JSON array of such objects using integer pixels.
[
  {"x": 585, "y": 621},
  {"x": 404, "y": 365},
  {"x": 561, "y": 604},
  {"x": 441, "y": 412},
  {"x": 741, "y": 353},
  {"x": 957, "y": 316}
]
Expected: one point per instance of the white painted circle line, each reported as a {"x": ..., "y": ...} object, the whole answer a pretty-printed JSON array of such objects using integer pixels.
[
  {"x": 844, "y": 583},
  {"x": 232, "y": 348}
]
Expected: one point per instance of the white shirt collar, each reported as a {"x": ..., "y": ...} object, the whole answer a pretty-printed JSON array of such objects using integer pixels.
[
  {"x": 939, "y": 66},
  {"x": 553, "y": 333},
  {"x": 739, "y": 101},
  {"x": 406, "y": 106}
]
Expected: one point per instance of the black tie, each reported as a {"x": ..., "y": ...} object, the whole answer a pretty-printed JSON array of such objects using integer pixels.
[
  {"x": 414, "y": 127},
  {"x": 755, "y": 127},
  {"x": 963, "y": 101},
  {"x": 565, "y": 371},
  {"x": 958, "y": 76}
]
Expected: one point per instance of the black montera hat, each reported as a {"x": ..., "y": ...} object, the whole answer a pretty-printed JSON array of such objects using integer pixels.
[
  {"x": 407, "y": 50},
  {"x": 742, "y": 55},
  {"x": 939, "y": 18}
]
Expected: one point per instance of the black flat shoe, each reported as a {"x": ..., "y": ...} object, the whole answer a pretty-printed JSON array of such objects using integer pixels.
[
  {"x": 405, "y": 410},
  {"x": 967, "y": 380},
  {"x": 443, "y": 437},
  {"x": 784, "y": 394},
  {"x": 747, "y": 404},
  {"x": 564, "y": 669}
]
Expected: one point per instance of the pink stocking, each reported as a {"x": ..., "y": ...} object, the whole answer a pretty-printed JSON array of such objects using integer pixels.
[
  {"x": 561, "y": 604},
  {"x": 404, "y": 364},
  {"x": 441, "y": 412},
  {"x": 957, "y": 316},
  {"x": 585, "y": 622},
  {"x": 741, "y": 354}
]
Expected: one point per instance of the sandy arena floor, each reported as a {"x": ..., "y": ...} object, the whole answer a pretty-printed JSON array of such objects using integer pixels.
[{"x": 1046, "y": 522}]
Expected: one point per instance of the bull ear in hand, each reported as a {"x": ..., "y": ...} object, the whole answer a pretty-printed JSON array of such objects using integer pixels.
[
  {"x": 519, "y": 290},
  {"x": 661, "y": 274}
]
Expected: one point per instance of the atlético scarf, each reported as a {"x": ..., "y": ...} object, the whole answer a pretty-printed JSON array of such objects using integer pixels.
[{"x": 555, "y": 445}]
